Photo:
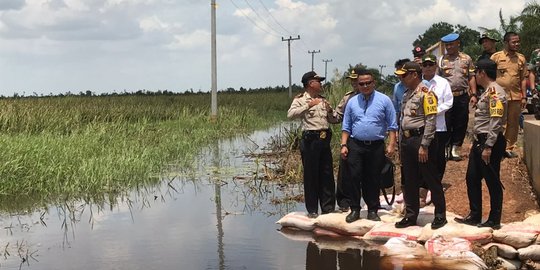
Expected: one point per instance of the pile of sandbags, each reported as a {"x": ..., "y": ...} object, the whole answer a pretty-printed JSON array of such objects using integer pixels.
[{"x": 514, "y": 245}]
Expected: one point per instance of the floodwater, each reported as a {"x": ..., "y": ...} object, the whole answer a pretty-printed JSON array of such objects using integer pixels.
[{"x": 219, "y": 215}]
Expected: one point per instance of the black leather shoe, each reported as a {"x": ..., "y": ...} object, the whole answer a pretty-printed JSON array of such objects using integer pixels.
[
  {"x": 492, "y": 224},
  {"x": 344, "y": 209},
  {"x": 469, "y": 220},
  {"x": 438, "y": 222},
  {"x": 372, "y": 215},
  {"x": 405, "y": 222},
  {"x": 353, "y": 216},
  {"x": 313, "y": 215}
]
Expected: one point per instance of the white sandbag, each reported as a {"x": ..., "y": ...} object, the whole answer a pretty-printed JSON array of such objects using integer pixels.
[
  {"x": 318, "y": 232},
  {"x": 298, "y": 220},
  {"x": 505, "y": 251},
  {"x": 382, "y": 232},
  {"x": 468, "y": 259},
  {"x": 509, "y": 264},
  {"x": 336, "y": 222},
  {"x": 517, "y": 234},
  {"x": 398, "y": 246},
  {"x": 531, "y": 252},
  {"x": 341, "y": 244},
  {"x": 453, "y": 229},
  {"x": 296, "y": 234},
  {"x": 440, "y": 245},
  {"x": 533, "y": 219}
]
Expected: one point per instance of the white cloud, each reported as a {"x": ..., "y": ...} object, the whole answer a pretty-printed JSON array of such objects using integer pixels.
[{"x": 165, "y": 44}]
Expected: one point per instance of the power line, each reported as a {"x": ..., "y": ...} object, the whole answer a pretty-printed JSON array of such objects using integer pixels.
[
  {"x": 275, "y": 20},
  {"x": 256, "y": 13},
  {"x": 252, "y": 21}
]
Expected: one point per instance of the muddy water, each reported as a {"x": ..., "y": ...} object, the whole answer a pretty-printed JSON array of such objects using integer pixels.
[{"x": 216, "y": 216}]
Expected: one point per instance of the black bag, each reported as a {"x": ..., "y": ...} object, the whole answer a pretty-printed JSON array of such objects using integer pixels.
[{"x": 387, "y": 179}]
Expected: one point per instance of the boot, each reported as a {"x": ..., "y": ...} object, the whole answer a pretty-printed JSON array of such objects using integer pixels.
[{"x": 455, "y": 153}]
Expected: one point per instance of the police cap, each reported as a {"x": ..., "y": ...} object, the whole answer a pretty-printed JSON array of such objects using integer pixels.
[{"x": 450, "y": 37}]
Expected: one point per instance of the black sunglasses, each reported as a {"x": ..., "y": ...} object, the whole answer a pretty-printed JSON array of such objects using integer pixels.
[{"x": 428, "y": 64}]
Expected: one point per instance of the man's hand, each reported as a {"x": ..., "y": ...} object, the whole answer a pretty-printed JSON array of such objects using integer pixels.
[
  {"x": 422, "y": 154},
  {"x": 344, "y": 152},
  {"x": 486, "y": 153},
  {"x": 523, "y": 103},
  {"x": 314, "y": 102},
  {"x": 473, "y": 101}
]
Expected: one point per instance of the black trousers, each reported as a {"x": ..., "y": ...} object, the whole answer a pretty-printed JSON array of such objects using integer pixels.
[
  {"x": 319, "y": 187},
  {"x": 477, "y": 170},
  {"x": 413, "y": 173},
  {"x": 441, "y": 142},
  {"x": 457, "y": 119},
  {"x": 342, "y": 195},
  {"x": 365, "y": 160}
]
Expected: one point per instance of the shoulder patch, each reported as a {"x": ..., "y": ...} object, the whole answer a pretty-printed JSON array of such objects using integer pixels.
[{"x": 430, "y": 103}]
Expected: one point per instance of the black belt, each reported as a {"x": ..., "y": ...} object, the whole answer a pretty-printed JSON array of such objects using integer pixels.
[
  {"x": 316, "y": 134},
  {"x": 366, "y": 142},
  {"x": 413, "y": 132}
]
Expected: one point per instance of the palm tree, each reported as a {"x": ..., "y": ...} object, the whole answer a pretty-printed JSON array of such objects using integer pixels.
[{"x": 530, "y": 27}]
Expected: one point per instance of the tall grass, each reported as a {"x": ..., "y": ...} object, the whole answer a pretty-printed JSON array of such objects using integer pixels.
[{"x": 69, "y": 147}]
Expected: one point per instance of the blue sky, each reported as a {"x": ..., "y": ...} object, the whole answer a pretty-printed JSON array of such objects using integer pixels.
[{"x": 55, "y": 46}]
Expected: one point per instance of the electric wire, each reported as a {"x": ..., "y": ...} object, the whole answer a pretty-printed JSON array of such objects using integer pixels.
[
  {"x": 261, "y": 18},
  {"x": 252, "y": 21},
  {"x": 275, "y": 20}
]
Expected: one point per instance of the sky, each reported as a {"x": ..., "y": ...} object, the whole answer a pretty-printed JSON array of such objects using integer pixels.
[{"x": 105, "y": 46}]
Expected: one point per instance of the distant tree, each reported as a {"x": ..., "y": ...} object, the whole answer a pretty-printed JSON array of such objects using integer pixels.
[
  {"x": 468, "y": 37},
  {"x": 530, "y": 28},
  {"x": 433, "y": 34}
]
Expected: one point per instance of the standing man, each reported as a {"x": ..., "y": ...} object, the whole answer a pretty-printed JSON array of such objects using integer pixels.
[
  {"x": 445, "y": 99},
  {"x": 417, "y": 150},
  {"x": 488, "y": 148},
  {"x": 489, "y": 44},
  {"x": 457, "y": 68},
  {"x": 342, "y": 197},
  {"x": 512, "y": 76},
  {"x": 315, "y": 113},
  {"x": 368, "y": 117},
  {"x": 399, "y": 88}
]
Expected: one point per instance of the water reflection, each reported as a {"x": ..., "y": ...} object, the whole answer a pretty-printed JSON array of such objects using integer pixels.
[{"x": 350, "y": 258}]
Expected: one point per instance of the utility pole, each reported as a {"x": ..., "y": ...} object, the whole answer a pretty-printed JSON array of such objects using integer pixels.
[
  {"x": 290, "y": 66},
  {"x": 325, "y": 65},
  {"x": 214, "y": 61},
  {"x": 313, "y": 57},
  {"x": 380, "y": 74}
]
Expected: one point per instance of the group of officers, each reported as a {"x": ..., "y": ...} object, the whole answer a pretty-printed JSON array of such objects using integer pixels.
[{"x": 426, "y": 120}]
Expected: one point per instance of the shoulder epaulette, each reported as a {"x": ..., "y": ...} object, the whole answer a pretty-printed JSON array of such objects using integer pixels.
[
  {"x": 299, "y": 95},
  {"x": 350, "y": 93}
]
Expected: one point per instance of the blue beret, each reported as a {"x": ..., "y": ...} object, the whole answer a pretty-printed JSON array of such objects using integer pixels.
[{"x": 450, "y": 37}]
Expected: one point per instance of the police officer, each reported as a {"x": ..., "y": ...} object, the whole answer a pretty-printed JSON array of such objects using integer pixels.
[
  {"x": 458, "y": 68},
  {"x": 418, "y": 124},
  {"x": 369, "y": 116},
  {"x": 316, "y": 114},
  {"x": 342, "y": 197},
  {"x": 512, "y": 76},
  {"x": 488, "y": 148}
]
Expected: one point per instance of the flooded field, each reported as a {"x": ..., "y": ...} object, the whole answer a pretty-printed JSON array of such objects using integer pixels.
[{"x": 218, "y": 215}]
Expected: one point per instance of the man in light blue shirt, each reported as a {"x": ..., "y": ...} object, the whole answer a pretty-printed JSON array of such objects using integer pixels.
[
  {"x": 368, "y": 117},
  {"x": 399, "y": 88}
]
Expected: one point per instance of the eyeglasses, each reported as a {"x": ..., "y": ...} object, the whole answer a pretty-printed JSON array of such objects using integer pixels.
[
  {"x": 428, "y": 64},
  {"x": 364, "y": 84}
]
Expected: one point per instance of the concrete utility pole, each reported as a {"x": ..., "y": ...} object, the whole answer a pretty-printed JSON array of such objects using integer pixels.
[
  {"x": 380, "y": 74},
  {"x": 214, "y": 61},
  {"x": 313, "y": 57},
  {"x": 326, "y": 65},
  {"x": 290, "y": 66}
]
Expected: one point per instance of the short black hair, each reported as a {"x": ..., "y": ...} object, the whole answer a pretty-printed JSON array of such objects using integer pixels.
[
  {"x": 488, "y": 66},
  {"x": 508, "y": 35},
  {"x": 364, "y": 71},
  {"x": 399, "y": 63}
]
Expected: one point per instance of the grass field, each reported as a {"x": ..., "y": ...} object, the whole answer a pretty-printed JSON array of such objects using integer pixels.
[{"x": 77, "y": 147}]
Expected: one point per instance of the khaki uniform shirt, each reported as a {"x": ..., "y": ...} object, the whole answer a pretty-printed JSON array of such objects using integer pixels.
[
  {"x": 340, "y": 109},
  {"x": 413, "y": 115},
  {"x": 490, "y": 114},
  {"x": 511, "y": 70},
  {"x": 314, "y": 118},
  {"x": 458, "y": 71}
]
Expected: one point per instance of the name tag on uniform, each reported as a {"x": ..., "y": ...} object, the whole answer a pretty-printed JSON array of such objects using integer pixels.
[{"x": 430, "y": 103}]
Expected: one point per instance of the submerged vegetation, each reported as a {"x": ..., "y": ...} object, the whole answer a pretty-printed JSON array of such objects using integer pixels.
[{"x": 57, "y": 148}]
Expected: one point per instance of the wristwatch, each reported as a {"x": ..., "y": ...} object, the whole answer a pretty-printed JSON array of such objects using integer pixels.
[{"x": 343, "y": 145}]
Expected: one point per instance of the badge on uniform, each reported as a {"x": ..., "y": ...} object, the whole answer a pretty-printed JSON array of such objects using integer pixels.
[
  {"x": 322, "y": 135},
  {"x": 496, "y": 108},
  {"x": 430, "y": 103}
]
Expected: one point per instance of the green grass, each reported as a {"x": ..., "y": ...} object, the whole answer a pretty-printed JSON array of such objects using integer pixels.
[{"x": 78, "y": 147}]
